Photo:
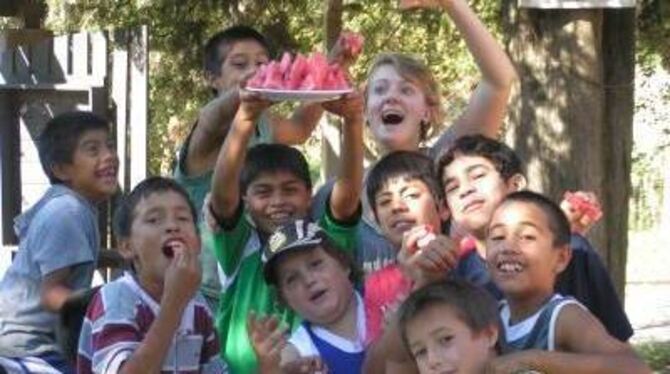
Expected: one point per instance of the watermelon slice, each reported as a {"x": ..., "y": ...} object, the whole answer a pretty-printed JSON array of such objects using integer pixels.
[{"x": 583, "y": 205}]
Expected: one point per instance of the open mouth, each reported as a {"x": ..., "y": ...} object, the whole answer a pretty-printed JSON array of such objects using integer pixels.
[
  {"x": 169, "y": 247},
  {"x": 106, "y": 173},
  {"x": 280, "y": 216},
  {"x": 392, "y": 117},
  {"x": 402, "y": 225},
  {"x": 509, "y": 267},
  {"x": 316, "y": 297}
]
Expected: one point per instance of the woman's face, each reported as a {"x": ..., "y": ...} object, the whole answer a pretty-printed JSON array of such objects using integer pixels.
[{"x": 395, "y": 108}]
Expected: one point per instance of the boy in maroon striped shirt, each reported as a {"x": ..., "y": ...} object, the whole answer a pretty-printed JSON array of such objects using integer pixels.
[{"x": 152, "y": 319}]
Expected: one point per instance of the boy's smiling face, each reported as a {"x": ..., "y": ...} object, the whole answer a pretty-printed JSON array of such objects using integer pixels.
[
  {"x": 473, "y": 189},
  {"x": 275, "y": 198},
  {"x": 405, "y": 203},
  {"x": 440, "y": 342},
  {"x": 242, "y": 59},
  {"x": 521, "y": 254},
  {"x": 315, "y": 285},
  {"x": 93, "y": 170},
  {"x": 161, "y": 223}
]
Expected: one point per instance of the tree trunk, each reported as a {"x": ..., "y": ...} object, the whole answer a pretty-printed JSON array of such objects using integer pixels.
[
  {"x": 330, "y": 127},
  {"x": 572, "y": 119}
]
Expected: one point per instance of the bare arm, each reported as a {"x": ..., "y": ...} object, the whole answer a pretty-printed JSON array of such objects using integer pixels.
[
  {"x": 346, "y": 194},
  {"x": 488, "y": 104},
  {"x": 225, "y": 196},
  {"x": 182, "y": 279},
  {"x": 583, "y": 346},
  {"x": 213, "y": 124},
  {"x": 298, "y": 128},
  {"x": 54, "y": 291},
  {"x": 388, "y": 354}
]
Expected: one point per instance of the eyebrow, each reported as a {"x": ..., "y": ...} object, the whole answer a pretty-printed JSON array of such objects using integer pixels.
[{"x": 522, "y": 223}]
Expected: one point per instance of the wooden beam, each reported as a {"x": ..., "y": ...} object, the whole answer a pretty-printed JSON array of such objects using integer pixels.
[{"x": 10, "y": 177}]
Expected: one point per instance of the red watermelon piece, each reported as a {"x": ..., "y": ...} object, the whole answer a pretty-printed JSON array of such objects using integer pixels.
[{"x": 352, "y": 42}]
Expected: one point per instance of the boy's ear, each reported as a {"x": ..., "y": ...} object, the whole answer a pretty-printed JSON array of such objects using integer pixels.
[
  {"x": 61, "y": 171},
  {"x": 125, "y": 250},
  {"x": 517, "y": 182},
  {"x": 443, "y": 211},
  {"x": 564, "y": 257},
  {"x": 491, "y": 335}
]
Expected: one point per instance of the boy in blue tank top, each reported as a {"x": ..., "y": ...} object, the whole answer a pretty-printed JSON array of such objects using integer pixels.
[{"x": 527, "y": 247}]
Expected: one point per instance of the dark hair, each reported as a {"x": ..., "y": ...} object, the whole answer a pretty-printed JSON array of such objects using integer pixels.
[
  {"x": 58, "y": 142},
  {"x": 272, "y": 158},
  {"x": 473, "y": 305},
  {"x": 409, "y": 165},
  {"x": 125, "y": 213},
  {"x": 503, "y": 158},
  {"x": 558, "y": 222},
  {"x": 214, "y": 48}
]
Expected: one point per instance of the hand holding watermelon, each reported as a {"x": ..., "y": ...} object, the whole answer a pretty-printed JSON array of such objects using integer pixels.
[
  {"x": 348, "y": 47},
  {"x": 582, "y": 210},
  {"x": 251, "y": 106},
  {"x": 350, "y": 107},
  {"x": 420, "y": 4}
]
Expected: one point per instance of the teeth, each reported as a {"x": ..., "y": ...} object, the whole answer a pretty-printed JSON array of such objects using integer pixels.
[{"x": 510, "y": 267}]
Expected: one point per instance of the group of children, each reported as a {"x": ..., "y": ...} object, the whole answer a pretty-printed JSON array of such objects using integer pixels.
[{"x": 444, "y": 264}]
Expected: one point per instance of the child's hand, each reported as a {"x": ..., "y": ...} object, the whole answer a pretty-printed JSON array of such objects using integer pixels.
[
  {"x": 426, "y": 257},
  {"x": 268, "y": 339},
  {"x": 252, "y": 105},
  {"x": 346, "y": 50},
  {"x": 517, "y": 362},
  {"x": 349, "y": 107},
  {"x": 305, "y": 365},
  {"x": 582, "y": 209},
  {"x": 182, "y": 277}
]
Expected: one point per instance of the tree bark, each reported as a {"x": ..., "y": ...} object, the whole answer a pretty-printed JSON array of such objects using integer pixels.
[
  {"x": 571, "y": 122},
  {"x": 330, "y": 128}
]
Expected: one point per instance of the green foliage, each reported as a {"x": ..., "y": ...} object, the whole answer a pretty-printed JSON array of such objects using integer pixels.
[
  {"x": 179, "y": 29},
  {"x": 656, "y": 355}
]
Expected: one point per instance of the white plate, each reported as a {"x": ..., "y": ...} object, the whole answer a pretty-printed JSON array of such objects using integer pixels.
[{"x": 314, "y": 96}]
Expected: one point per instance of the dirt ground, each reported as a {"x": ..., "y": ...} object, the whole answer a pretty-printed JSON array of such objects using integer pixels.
[{"x": 648, "y": 285}]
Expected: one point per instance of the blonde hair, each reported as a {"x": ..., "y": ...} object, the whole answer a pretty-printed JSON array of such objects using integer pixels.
[{"x": 414, "y": 70}]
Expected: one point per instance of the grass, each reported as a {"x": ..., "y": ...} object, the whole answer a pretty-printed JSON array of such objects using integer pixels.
[{"x": 656, "y": 355}]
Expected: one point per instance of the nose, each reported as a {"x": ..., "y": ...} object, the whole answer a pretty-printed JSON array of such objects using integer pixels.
[
  {"x": 434, "y": 359},
  {"x": 172, "y": 225},
  {"x": 465, "y": 188},
  {"x": 398, "y": 205}
]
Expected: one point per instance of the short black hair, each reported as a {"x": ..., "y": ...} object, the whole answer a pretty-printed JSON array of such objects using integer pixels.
[
  {"x": 473, "y": 305},
  {"x": 125, "y": 213},
  {"x": 503, "y": 158},
  {"x": 558, "y": 222},
  {"x": 272, "y": 158},
  {"x": 214, "y": 55},
  {"x": 409, "y": 165},
  {"x": 58, "y": 141}
]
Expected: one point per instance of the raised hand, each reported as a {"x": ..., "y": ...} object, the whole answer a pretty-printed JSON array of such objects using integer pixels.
[
  {"x": 268, "y": 339},
  {"x": 582, "y": 209},
  {"x": 252, "y": 105},
  {"x": 349, "y": 107}
]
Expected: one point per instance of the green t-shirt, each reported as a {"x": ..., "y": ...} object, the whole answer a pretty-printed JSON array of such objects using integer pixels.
[
  {"x": 238, "y": 251},
  {"x": 197, "y": 187}
]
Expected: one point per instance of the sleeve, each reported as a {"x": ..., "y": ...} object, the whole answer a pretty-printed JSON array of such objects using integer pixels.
[
  {"x": 228, "y": 244},
  {"x": 342, "y": 233},
  {"x": 114, "y": 333},
  {"x": 587, "y": 279},
  {"x": 60, "y": 237}
]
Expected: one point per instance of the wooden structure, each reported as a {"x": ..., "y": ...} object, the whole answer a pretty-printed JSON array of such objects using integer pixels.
[{"x": 43, "y": 75}]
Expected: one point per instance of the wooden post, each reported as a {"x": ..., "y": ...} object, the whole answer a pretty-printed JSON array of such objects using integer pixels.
[{"x": 10, "y": 177}]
